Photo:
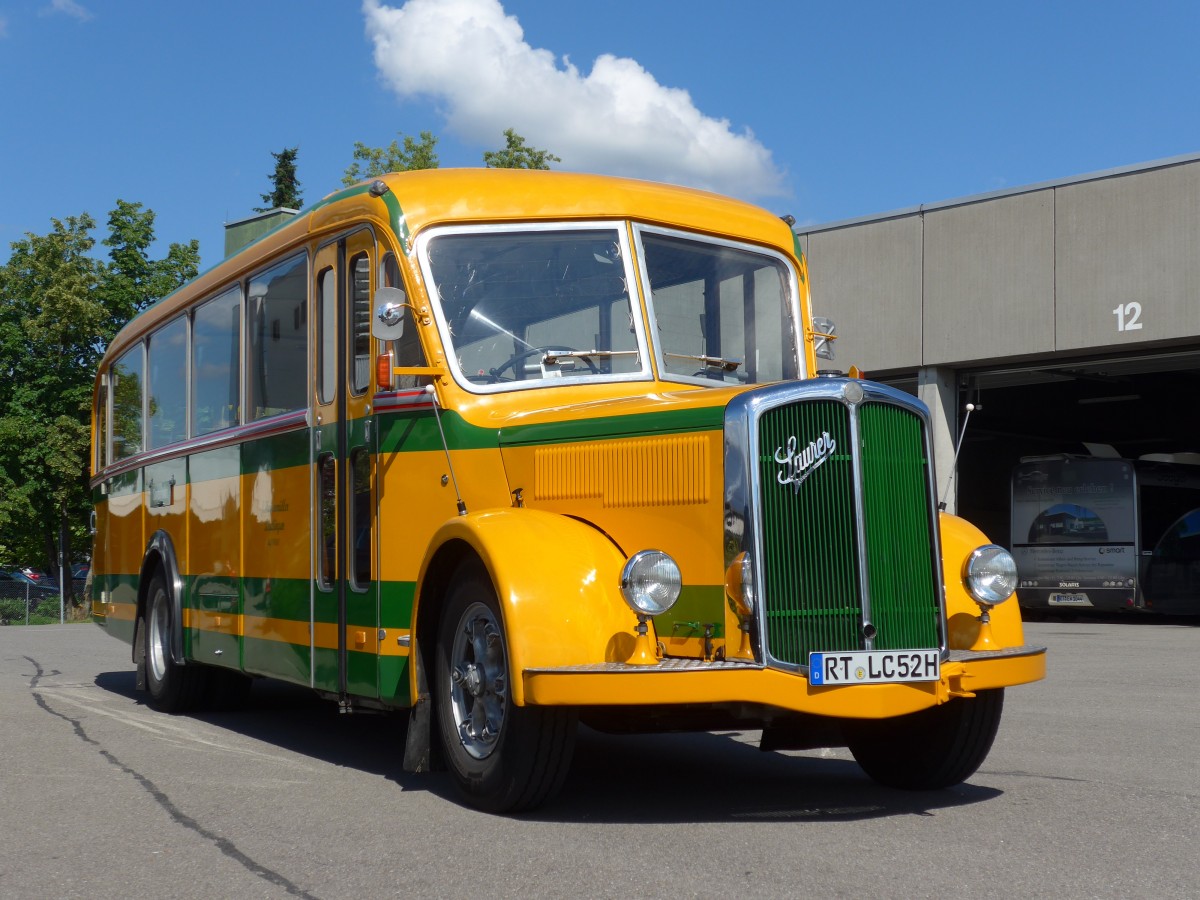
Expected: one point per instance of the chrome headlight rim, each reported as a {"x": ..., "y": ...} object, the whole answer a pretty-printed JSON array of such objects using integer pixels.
[
  {"x": 651, "y": 582},
  {"x": 990, "y": 574}
]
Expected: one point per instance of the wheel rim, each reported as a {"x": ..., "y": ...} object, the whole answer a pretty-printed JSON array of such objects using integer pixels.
[
  {"x": 478, "y": 681},
  {"x": 156, "y": 655}
]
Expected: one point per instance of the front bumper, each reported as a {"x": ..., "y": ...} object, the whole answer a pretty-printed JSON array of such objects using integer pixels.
[{"x": 693, "y": 681}]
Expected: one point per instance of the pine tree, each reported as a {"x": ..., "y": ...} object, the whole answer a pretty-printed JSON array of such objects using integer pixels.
[{"x": 285, "y": 187}]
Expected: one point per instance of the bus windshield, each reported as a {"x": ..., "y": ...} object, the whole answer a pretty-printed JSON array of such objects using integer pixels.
[
  {"x": 723, "y": 313},
  {"x": 524, "y": 307},
  {"x": 521, "y": 307}
]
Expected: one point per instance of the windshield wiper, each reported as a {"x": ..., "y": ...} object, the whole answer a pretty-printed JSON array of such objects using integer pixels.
[
  {"x": 553, "y": 356},
  {"x": 710, "y": 362}
]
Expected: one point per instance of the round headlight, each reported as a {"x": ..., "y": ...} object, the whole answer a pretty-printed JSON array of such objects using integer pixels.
[
  {"x": 650, "y": 582},
  {"x": 991, "y": 575}
]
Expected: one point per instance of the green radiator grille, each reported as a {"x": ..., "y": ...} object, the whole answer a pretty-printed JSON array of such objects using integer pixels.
[
  {"x": 813, "y": 596},
  {"x": 904, "y": 604}
]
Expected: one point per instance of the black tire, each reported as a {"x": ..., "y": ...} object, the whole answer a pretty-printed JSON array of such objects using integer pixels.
[
  {"x": 502, "y": 757},
  {"x": 173, "y": 688},
  {"x": 935, "y": 748}
]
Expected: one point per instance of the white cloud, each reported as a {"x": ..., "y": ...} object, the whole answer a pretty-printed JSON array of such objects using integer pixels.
[
  {"x": 70, "y": 8},
  {"x": 3, "y": 27},
  {"x": 471, "y": 58}
]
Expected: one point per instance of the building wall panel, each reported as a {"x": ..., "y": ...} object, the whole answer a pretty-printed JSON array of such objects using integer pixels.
[
  {"x": 867, "y": 278},
  {"x": 1130, "y": 243},
  {"x": 989, "y": 279}
]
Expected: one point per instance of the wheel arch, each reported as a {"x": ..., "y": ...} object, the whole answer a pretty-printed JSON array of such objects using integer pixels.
[
  {"x": 557, "y": 581},
  {"x": 160, "y": 555}
]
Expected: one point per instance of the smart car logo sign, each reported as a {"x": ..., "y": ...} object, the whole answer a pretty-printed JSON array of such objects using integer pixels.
[{"x": 796, "y": 463}]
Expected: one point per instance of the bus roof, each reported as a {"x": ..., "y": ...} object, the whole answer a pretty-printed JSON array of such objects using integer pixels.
[{"x": 417, "y": 200}]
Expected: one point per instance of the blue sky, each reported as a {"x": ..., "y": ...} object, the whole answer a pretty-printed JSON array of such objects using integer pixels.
[{"x": 825, "y": 110}]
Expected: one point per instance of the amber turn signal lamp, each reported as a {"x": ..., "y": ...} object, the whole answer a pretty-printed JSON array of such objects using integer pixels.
[{"x": 383, "y": 371}]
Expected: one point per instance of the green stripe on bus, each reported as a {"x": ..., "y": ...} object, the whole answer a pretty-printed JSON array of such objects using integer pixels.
[{"x": 698, "y": 605}]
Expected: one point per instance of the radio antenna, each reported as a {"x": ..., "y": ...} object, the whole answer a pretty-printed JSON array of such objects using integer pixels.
[
  {"x": 462, "y": 507},
  {"x": 971, "y": 407}
]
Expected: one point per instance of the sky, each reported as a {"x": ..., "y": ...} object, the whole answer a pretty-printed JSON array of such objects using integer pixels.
[{"x": 825, "y": 111}]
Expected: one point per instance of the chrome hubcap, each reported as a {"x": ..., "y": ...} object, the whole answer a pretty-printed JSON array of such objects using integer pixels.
[
  {"x": 156, "y": 655},
  {"x": 478, "y": 681}
]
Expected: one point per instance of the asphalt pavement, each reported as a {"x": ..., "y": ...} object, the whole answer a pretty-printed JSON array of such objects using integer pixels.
[{"x": 1092, "y": 790}]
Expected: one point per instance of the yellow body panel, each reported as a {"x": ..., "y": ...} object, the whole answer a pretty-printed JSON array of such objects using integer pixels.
[{"x": 959, "y": 539}]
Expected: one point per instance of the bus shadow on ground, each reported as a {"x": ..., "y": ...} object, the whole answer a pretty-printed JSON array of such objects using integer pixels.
[
  {"x": 655, "y": 778},
  {"x": 724, "y": 777}
]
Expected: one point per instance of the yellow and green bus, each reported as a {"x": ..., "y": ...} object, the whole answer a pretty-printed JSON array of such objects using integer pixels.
[{"x": 511, "y": 450}]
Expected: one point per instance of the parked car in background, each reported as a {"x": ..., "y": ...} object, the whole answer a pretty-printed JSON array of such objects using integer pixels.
[
  {"x": 13, "y": 585},
  {"x": 35, "y": 576}
]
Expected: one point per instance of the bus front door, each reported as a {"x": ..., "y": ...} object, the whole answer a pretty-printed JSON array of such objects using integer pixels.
[{"x": 345, "y": 627}]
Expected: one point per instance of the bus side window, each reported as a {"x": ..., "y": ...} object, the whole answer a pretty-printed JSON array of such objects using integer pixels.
[
  {"x": 216, "y": 363},
  {"x": 327, "y": 336},
  {"x": 406, "y": 351},
  {"x": 167, "y": 384},
  {"x": 277, "y": 376}
]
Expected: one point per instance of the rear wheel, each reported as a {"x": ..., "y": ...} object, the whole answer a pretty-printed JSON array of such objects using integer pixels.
[
  {"x": 934, "y": 748},
  {"x": 173, "y": 688},
  {"x": 502, "y": 757}
]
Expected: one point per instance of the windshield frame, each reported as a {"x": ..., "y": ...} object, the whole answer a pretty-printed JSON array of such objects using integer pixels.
[
  {"x": 791, "y": 300},
  {"x": 618, "y": 227}
]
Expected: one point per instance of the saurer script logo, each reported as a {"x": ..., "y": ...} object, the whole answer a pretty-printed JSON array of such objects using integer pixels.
[{"x": 797, "y": 463}]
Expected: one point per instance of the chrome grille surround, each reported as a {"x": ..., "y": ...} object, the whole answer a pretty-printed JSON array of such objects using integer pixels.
[{"x": 746, "y": 531}]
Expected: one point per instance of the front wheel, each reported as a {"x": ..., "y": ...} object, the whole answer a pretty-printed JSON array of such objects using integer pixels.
[
  {"x": 502, "y": 757},
  {"x": 935, "y": 748}
]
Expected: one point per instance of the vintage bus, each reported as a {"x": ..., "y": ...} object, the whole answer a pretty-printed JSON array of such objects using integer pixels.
[
  {"x": 511, "y": 450},
  {"x": 1107, "y": 534}
]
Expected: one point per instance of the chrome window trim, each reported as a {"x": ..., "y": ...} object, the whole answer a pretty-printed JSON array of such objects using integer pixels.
[
  {"x": 617, "y": 226},
  {"x": 793, "y": 300},
  {"x": 743, "y": 490}
]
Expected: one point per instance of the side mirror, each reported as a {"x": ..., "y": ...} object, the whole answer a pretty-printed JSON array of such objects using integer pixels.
[{"x": 388, "y": 322}]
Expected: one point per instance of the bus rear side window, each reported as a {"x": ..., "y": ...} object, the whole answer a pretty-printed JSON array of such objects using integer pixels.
[
  {"x": 277, "y": 325},
  {"x": 127, "y": 381},
  {"x": 100, "y": 460}
]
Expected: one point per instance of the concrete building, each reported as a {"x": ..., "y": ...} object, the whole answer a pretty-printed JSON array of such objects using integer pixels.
[{"x": 1067, "y": 312}]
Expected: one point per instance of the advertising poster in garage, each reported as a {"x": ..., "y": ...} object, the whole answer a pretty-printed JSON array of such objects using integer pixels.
[{"x": 1074, "y": 530}]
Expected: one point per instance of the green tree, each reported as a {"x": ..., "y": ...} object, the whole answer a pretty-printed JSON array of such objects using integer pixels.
[
  {"x": 518, "y": 155},
  {"x": 370, "y": 162},
  {"x": 59, "y": 308},
  {"x": 285, "y": 187}
]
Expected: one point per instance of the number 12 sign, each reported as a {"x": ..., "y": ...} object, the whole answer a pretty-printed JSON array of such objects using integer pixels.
[{"x": 1128, "y": 316}]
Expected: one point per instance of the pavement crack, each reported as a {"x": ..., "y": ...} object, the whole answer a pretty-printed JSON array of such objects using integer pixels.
[{"x": 226, "y": 846}]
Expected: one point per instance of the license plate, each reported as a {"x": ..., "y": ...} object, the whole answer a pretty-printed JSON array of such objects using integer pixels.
[
  {"x": 873, "y": 667},
  {"x": 1070, "y": 600}
]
